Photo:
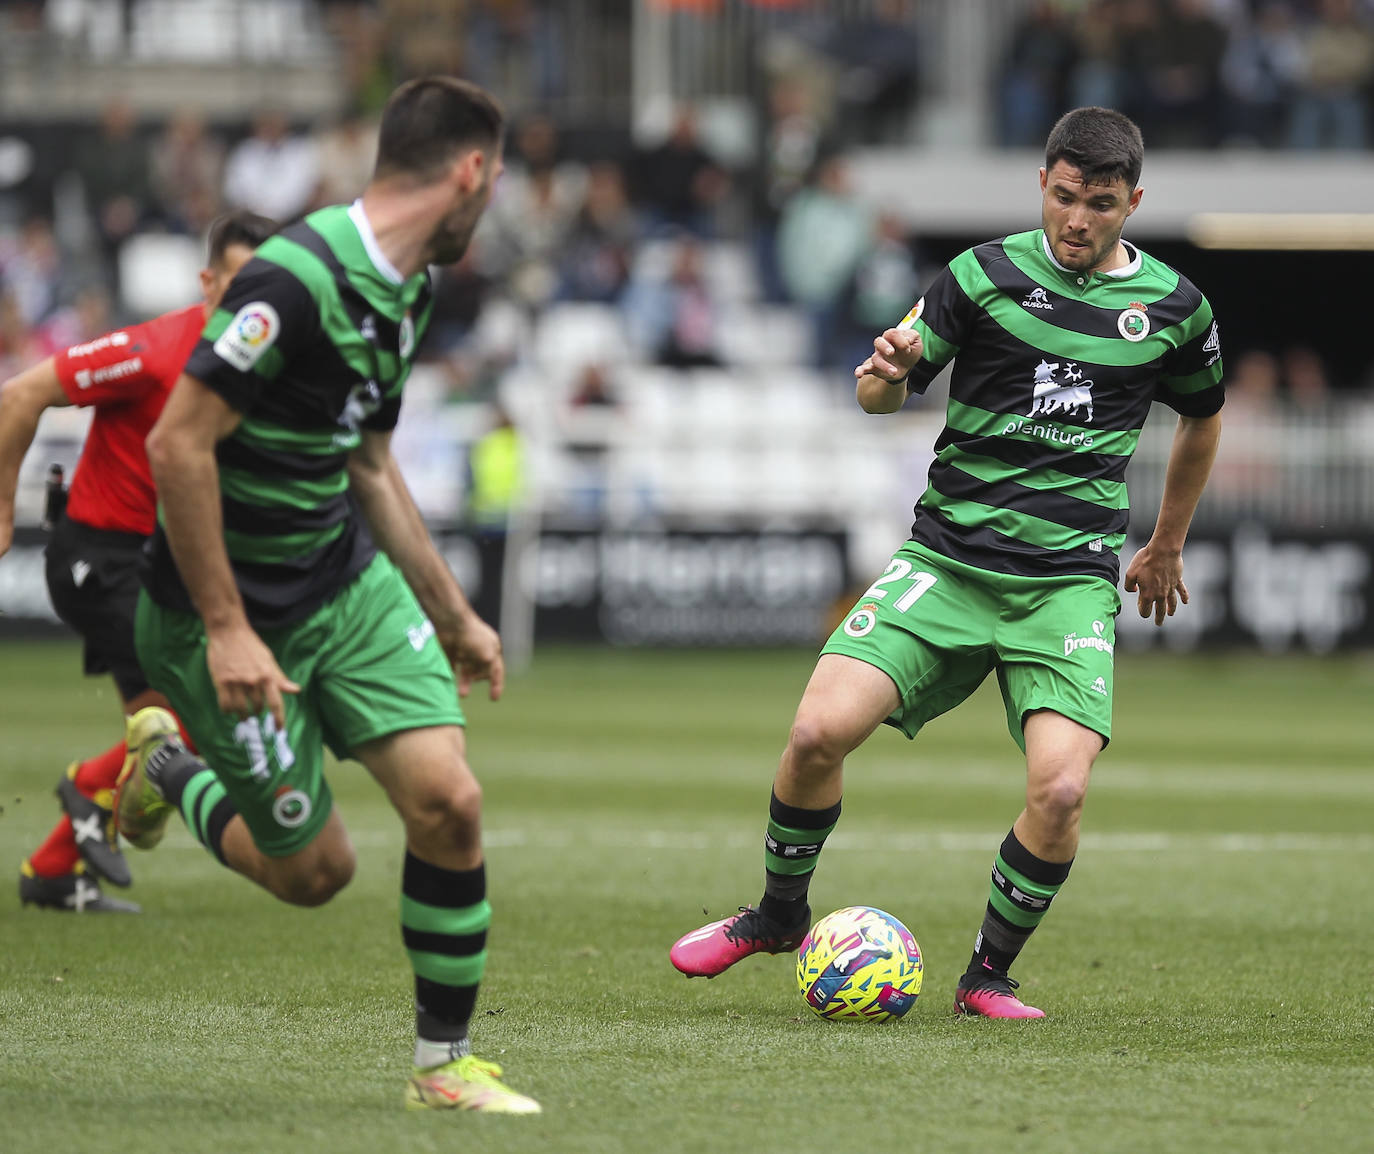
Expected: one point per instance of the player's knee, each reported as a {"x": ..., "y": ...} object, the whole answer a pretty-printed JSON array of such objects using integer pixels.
[
  {"x": 447, "y": 813},
  {"x": 813, "y": 746},
  {"x": 320, "y": 880},
  {"x": 1058, "y": 796}
]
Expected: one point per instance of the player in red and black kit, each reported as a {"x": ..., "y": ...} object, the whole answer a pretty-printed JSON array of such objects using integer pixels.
[{"x": 95, "y": 552}]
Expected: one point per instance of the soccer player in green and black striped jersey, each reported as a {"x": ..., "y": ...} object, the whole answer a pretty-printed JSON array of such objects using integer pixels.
[
  {"x": 295, "y": 599},
  {"x": 1061, "y": 340}
]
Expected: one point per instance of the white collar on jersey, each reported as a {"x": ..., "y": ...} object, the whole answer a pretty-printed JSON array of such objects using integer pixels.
[
  {"x": 1131, "y": 267},
  {"x": 369, "y": 239}
]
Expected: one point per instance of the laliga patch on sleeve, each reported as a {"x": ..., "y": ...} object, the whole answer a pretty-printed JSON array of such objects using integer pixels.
[{"x": 251, "y": 333}]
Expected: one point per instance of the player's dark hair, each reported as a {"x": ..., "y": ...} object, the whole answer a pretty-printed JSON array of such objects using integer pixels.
[
  {"x": 238, "y": 227},
  {"x": 428, "y": 120},
  {"x": 1100, "y": 142}
]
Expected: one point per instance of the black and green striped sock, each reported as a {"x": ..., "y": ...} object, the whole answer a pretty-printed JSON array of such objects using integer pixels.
[
  {"x": 444, "y": 920},
  {"x": 1023, "y": 886},
  {"x": 189, "y": 784},
  {"x": 791, "y": 847}
]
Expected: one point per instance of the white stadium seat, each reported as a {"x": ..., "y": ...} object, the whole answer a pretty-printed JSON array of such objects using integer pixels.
[{"x": 156, "y": 272}]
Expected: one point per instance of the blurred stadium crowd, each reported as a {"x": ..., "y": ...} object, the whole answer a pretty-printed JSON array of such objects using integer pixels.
[{"x": 607, "y": 244}]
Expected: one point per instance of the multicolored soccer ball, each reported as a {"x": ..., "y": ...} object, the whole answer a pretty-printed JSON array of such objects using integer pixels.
[{"x": 859, "y": 963}]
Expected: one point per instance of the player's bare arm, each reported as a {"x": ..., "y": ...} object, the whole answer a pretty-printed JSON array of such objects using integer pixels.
[
  {"x": 23, "y": 399},
  {"x": 1155, "y": 573},
  {"x": 181, "y": 451},
  {"x": 882, "y": 386},
  {"x": 472, "y": 645}
]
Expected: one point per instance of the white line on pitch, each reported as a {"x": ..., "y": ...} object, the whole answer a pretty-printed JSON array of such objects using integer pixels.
[{"x": 948, "y": 841}]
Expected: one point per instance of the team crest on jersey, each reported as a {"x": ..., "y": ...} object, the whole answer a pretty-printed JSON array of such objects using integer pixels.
[
  {"x": 1132, "y": 323},
  {"x": 1070, "y": 394},
  {"x": 251, "y": 333}
]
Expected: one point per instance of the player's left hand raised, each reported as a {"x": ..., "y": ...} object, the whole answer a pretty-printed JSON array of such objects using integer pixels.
[
  {"x": 474, "y": 650},
  {"x": 1155, "y": 575},
  {"x": 895, "y": 354}
]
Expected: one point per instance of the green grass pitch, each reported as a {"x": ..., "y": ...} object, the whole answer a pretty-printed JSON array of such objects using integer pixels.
[{"x": 1208, "y": 971}]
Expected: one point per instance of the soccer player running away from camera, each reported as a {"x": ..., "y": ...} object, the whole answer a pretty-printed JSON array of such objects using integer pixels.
[
  {"x": 295, "y": 599},
  {"x": 95, "y": 553},
  {"x": 1061, "y": 339}
]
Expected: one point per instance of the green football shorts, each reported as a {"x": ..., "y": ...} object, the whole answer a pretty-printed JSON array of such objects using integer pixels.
[
  {"x": 368, "y": 665},
  {"x": 938, "y": 627}
]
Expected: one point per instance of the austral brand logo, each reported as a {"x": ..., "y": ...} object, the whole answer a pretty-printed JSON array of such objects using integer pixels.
[
  {"x": 1096, "y": 640},
  {"x": 1099, "y": 685},
  {"x": 1070, "y": 395},
  {"x": 1212, "y": 345},
  {"x": 1132, "y": 323},
  {"x": 862, "y": 621},
  {"x": 364, "y": 400},
  {"x": 1037, "y": 298}
]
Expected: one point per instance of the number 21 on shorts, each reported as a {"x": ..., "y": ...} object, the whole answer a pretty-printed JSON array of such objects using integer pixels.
[
  {"x": 860, "y": 623},
  {"x": 898, "y": 570}
]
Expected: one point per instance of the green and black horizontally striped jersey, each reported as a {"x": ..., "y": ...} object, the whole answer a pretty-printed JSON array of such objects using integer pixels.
[
  {"x": 1054, "y": 374},
  {"x": 312, "y": 344}
]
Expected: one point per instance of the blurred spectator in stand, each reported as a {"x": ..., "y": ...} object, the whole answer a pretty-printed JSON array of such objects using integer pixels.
[
  {"x": 187, "y": 165},
  {"x": 423, "y": 37},
  {"x": 878, "y": 59},
  {"x": 496, "y": 470},
  {"x": 677, "y": 182},
  {"x": 346, "y": 153},
  {"x": 359, "y": 30},
  {"x": 31, "y": 269},
  {"x": 1244, "y": 470},
  {"x": 592, "y": 390},
  {"x": 18, "y": 348},
  {"x": 599, "y": 246},
  {"x": 496, "y": 484},
  {"x": 675, "y": 319},
  {"x": 115, "y": 173},
  {"x": 459, "y": 292},
  {"x": 1307, "y": 385},
  {"x": 521, "y": 237},
  {"x": 791, "y": 143},
  {"x": 516, "y": 46},
  {"x": 273, "y": 171},
  {"x": 18, "y": 183},
  {"x": 1034, "y": 72},
  {"x": 588, "y": 423},
  {"x": 1331, "y": 106},
  {"x": 1095, "y": 78},
  {"x": 91, "y": 314},
  {"x": 824, "y": 233},
  {"x": 1179, "y": 75},
  {"x": 1259, "y": 73},
  {"x": 885, "y": 285}
]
